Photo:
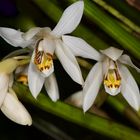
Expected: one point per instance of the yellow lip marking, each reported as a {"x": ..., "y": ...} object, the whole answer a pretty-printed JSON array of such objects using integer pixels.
[
  {"x": 112, "y": 79},
  {"x": 42, "y": 60}
]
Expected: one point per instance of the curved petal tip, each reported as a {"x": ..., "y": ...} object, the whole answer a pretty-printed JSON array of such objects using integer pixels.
[
  {"x": 70, "y": 19},
  {"x": 113, "y": 53}
]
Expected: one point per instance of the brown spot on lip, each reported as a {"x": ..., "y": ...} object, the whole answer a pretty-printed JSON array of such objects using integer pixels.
[
  {"x": 112, "y": 79},
  {"x": 49, "y": 55},
  {"x": 43, "y": 60}
]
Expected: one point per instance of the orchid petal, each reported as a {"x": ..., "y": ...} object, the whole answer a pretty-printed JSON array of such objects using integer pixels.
[
  {"x": 92, "y": 85},
  {"x": 46, "y": 30},
  {"x": 69, "y": 62},
  {"x": 69, "y": 20},
  {"x": 4, "y": 81},
  {"x": 13, "y": 37},
  {"x": 105, "y": 65},
  {"x": 19, "y": 69},
  {"x": 52, "y": 87},
  {"x": 125, "y": 59},
  {"x": 35, "y": 80},
  {"x": 48, "y": 45},
  {"x": 129, "y": 88},
  {"x": 113, "y": 53},
  {"x": 11, "y": 91},
  {"x": 15, "y": 111},
  {"x": 80, "y": 48},
  {"x": 8, "y": 65},
  {"x": 31, "y": 33},
  {"x": 22, "y": 70},
  {"x": 11, "y": 80}
]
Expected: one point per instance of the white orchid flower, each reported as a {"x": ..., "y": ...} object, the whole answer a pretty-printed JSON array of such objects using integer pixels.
[
  {"x": 45, "y": 43},
  {"x": 111, "y": 70},
  {"x": 9, "y": 103}
]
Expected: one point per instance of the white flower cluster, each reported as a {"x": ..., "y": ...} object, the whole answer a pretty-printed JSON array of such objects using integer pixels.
[{"x": 44, "y": 43}]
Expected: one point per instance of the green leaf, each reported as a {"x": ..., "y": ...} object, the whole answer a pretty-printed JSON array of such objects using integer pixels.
[{"x": 75, "y": 115}]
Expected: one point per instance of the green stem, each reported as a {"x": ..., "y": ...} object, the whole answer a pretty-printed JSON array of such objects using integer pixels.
[
  {"x": 117, "y": 14},
  {"x": 85, "y": 64},
  {"x": 125, "y": 110},
  {"x": 72, "y": 114}
]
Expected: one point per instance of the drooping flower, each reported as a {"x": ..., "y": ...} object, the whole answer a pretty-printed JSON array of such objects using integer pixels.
[
  {"x": 45, "y": 43},
  {"x": 111, "y": 70},
  {"x": 9, "y": 103}
]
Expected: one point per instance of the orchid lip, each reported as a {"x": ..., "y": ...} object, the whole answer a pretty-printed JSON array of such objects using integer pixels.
[
  {"x": 112, "y": 79},
  {"x": 42, "y": 60}
]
